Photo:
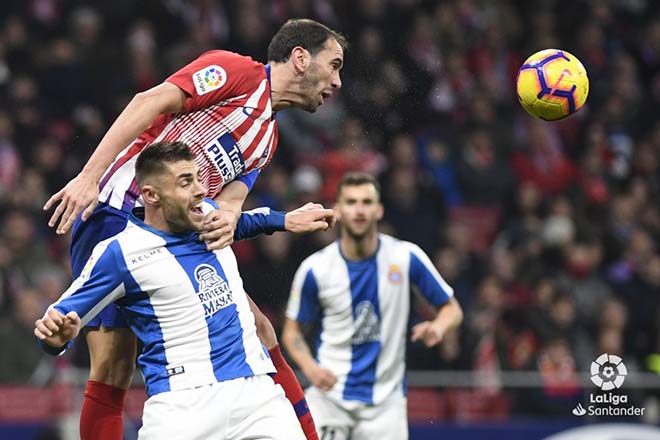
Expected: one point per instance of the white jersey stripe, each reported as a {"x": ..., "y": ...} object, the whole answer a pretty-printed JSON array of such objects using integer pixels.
[{"x": 265, "y": 140}]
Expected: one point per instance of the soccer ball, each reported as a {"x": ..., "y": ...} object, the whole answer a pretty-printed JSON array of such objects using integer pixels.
[{"x": 552, "y": 84}]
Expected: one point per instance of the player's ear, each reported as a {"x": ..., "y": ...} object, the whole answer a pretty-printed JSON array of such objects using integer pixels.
[
  {"x": 301, "y": 58},
  {"x": 150, "y": 195},
  {"x": 380, "y": 212}
]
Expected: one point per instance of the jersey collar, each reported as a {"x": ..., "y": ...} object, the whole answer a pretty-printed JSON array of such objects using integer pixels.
[
  {"x": 270, "y": 90},
  {"x": 358, "y": 262}
]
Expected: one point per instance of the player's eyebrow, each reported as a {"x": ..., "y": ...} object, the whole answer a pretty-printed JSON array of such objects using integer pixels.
[{"x": 184, "y": 176}]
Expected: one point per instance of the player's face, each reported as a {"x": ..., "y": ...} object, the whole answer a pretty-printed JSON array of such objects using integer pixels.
[
  {"x": 359, "y": 210},
  {"x": 181, "y": 194},
  {"x": 322, "y": 76}
]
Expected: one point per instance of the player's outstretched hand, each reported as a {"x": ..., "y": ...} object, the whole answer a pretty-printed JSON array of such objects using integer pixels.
[
  {"x": 81, "y": 193},
  {"x": 310, "y": 217},
  {"x": 427, "y": 333},
  {"x": 56, "y": 329},
  {"x": 320, "y": 377},
  {"x": 219, "y": 228}
]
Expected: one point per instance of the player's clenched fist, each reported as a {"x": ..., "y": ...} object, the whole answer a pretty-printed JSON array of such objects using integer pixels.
[{"x": 56, "y": 329}]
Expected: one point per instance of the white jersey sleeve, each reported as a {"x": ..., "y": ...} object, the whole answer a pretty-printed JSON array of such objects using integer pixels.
[{"x": 99, "y": 284}]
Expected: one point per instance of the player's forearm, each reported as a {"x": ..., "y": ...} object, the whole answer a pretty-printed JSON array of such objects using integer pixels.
[
  {"x": 232, "y": 196},
  {"x": 449, "y": 316},
  {"x": 133, "y": 121},
  {"x": 295, "y": 345}
]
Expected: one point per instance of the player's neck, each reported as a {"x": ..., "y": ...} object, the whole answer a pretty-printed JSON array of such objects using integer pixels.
[
  {"x": 359, "y": 248},
  {"x": 282, "y": 82},
  {"x": 156, "y": 219}
]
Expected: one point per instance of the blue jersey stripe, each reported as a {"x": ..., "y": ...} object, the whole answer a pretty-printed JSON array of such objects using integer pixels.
[
  {"x": 366, "y": 344},
  {"x": 145, "y": 325},
  {"x": 309, "y": 300},
  {"x": 224, "y": 326},
  {"x": 425, "y": 279}
]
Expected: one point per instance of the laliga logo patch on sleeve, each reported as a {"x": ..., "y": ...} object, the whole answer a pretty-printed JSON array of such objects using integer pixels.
[{"x": 209, "y": 79}]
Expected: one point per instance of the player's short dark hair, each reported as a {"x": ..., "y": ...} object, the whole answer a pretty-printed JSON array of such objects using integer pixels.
[
  {"x": 354, "y": 178},
  {"x": 302, "y": 32},
  {"x": 153, "y": 158}
]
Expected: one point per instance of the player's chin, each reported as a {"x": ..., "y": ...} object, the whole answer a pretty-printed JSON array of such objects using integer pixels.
[
  {"x": 358, "y": 233},
  {"x": 312, "y": 106},
  {"x": 196, "y": 221}
]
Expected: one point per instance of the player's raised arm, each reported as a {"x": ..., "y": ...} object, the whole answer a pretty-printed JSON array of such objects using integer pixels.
[
  {"x": 81, "y": 193},
  {"x": 223, "y": 226}
]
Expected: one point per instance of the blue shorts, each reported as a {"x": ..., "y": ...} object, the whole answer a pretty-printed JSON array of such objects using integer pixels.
[{"x": 105, "y": 222}]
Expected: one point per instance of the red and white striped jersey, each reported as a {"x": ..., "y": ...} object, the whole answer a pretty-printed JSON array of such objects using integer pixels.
[{"x": 227, "y": 120}]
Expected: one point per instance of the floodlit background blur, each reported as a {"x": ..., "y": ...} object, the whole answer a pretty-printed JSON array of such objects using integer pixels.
[{"x": 548, "y": 232}]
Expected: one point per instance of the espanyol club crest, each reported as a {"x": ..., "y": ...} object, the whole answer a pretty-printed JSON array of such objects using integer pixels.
[{"x": 394, "y": 275}]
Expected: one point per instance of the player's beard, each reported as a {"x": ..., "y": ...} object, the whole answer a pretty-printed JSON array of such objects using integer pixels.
[
  {"x": 177, "y": 217},
  {"x": 310, "y": 88}
]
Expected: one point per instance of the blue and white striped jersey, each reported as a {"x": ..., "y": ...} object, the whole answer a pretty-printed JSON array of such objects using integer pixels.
[
  {"x": 363, "y": 307},
  {"x": 186, "y": 305}
]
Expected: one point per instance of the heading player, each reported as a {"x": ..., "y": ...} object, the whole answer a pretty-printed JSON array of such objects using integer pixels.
[
  {"x": 358, "y": 288},
  {"x": 205, "y": 369},
  {"x": 223, "y": 105}
]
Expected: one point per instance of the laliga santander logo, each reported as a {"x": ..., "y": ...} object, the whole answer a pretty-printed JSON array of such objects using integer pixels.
[
  {"x": 608, "y": 372},
  {"x": 215, "y": 77}
]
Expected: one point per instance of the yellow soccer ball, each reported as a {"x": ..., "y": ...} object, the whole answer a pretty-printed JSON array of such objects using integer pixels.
[{"x": 552, "y": 84}]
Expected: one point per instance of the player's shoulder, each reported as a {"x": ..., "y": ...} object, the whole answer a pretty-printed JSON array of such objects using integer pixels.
[
  {"x": 395, "y": 246},
  {"x": 105, "y": 253},
  {"x": 322, "y": 258},
  {"x": 108, "y": 245},
  {"x": 231, "y": 60},
  {"x": 388, "y": 243},
  {"x": 136, "y": 236}
]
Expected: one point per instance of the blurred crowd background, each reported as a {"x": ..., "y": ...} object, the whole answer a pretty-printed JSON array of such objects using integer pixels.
[{"x": 548, "y": 232}]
